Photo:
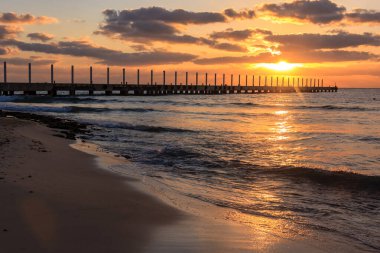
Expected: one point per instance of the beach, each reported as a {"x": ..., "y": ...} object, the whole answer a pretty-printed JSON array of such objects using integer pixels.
[
  {"x": 54, "y": 199},
  {"x": 58, "y": 199}
]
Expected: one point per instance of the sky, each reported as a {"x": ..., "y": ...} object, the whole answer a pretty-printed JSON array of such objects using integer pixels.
[{"x": 337, "y": 40}]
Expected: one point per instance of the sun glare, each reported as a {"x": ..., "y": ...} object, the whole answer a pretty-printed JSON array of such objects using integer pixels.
[{"x": 280, "y": 66}]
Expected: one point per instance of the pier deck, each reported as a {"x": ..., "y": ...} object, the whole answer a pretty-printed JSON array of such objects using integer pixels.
[{"x": 11, "y": 89}]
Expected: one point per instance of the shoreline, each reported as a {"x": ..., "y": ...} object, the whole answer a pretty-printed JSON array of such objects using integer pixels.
[
  {"x": 125, "y": 214},
  {"x": 56, "y": 203}
]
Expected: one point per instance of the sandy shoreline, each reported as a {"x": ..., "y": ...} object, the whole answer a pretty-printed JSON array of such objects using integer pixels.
[
  {"x": 55, "y": 198},
  {"x": 59, "y": 203}
]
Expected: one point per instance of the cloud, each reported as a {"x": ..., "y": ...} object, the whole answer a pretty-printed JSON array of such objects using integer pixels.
[
  {"x": 7, "y": 31},
  {"x": 13, "y": 18},
  {"x": 147, "y": 25},
  {"x": 229, "y": 47},
  {"x": 243, "y": 14},
  {"x": 320, "y": 56},
  {"x": 105, "y": 55},
  {"x": 3, "y": 51},
  {"x": 178, "y": 16},
  {"x": 40, "y": 36},
  {"x": 337, "y": 40},
  {"x": 364, "y": 16},
  {"x": 24, "y": 61},
  {"x": 238, "y": 35},
  {"x": 314, "y": 11}
]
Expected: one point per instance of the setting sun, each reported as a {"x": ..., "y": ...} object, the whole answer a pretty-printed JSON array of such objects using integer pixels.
[{"x": 280, "y": 66}]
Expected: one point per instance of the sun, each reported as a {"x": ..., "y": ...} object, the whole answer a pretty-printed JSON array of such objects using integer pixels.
[{"x": 280, "y": 66}]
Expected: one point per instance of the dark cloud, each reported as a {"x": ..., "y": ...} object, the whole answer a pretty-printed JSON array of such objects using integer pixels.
[
  {"x": 243, "y": 14},
  {"x": 7, "y": 32},
  {"x": 105, "y": 55},
  {"x": 24, "y": 61},
  {"x": 3, "y": 51},
  {"x": 230, "y": 47},
  {"x": 147, "y": 25},
  {"x": 178, "y": 16},
  {"x": 13, "y": 18},
  {"x": 40, "y": 36},
  {"x": 364, "y": 16},
  {"x": 324, "y": 41},
  {"x": 314, "y": 11},
  {"x": 329, "y": 56},
  {"x": 238, "y": 35}
]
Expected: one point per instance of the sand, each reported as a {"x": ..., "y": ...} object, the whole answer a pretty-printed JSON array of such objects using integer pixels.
[{"x": 55, "y": 199}]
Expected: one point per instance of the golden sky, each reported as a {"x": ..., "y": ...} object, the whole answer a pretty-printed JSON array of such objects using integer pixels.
[{"x": 337, "y": 40}]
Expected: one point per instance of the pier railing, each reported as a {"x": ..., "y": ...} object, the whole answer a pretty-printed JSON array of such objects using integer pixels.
[{"x": 256, "y": 84}]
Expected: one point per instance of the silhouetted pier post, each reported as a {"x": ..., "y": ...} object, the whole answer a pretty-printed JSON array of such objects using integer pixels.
[
  {"x": 277, "y": 81},
  {"x": 283, "y": 82},
  {"x": 72, "y": 74},
  {"x": 5, "y": 72},
  {"x": 72, "y": 88},
  {"x": 108, "y": 75},
  {"x": 246, "y": 80},
  {"x": 52, "y": 74},
  {"x": 232, "y": 80},
  {"x": 266, "y": 78},
  {"x": 151, "y": 77},
  {"x": 298, "y": 82},
  {"x": 164, "y": 78},
  {"x": 271, "y": 81},
  {"x": 239, "y": 81},
  {"x": 91, "y": 80},
  {"x": 138, "y": 77},
  {"x": 175, "y": 78},
  {"x": 187, "y": 79},
  {"x": 224, "y": 80},
  {"x": 196, "y": 82},
  {"x": 30, "y": 73},
  {"x": 91, "y": 88},
  {"x": 215, "y": 79},
  {"x": 124, "y": 76},
  {"x": 253, "y": 80},
  {"x": 259, "y": 81},
  {"x": 206, "y": 79},
  {"x": 293, "y": 80},
  {"x": 288, "y": 81}
]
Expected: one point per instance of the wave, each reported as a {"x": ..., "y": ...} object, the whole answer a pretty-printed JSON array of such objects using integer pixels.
[
  {"x": 47, "y": 99},
  {"x": 335, "y": 107},
  {"x": 337, "y": 179},
  {"x": 370, "y": 139},
  {"x": 77, "y": 109},
  {"x": 141, "y": 128},
  {"x": 244, "y": 104}
]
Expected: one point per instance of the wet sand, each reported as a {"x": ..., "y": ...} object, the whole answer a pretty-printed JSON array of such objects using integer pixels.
[{"x": 55, "y": 199}]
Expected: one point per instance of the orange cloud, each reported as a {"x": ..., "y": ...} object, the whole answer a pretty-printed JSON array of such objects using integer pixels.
[{"x": 14, "y": 18}]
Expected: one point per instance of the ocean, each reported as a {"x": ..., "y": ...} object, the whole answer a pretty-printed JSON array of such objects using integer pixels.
[{"x": 293, "y": 164}]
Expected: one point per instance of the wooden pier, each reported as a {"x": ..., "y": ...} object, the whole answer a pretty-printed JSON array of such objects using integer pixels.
[{"x": 256, "y": 84}]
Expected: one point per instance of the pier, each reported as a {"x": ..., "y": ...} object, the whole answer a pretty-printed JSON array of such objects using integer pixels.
[{"x": 252, "y": 84}]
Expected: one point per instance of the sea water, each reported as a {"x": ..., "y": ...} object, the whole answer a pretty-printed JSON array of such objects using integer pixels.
[{"x": 301, "y": 163}]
